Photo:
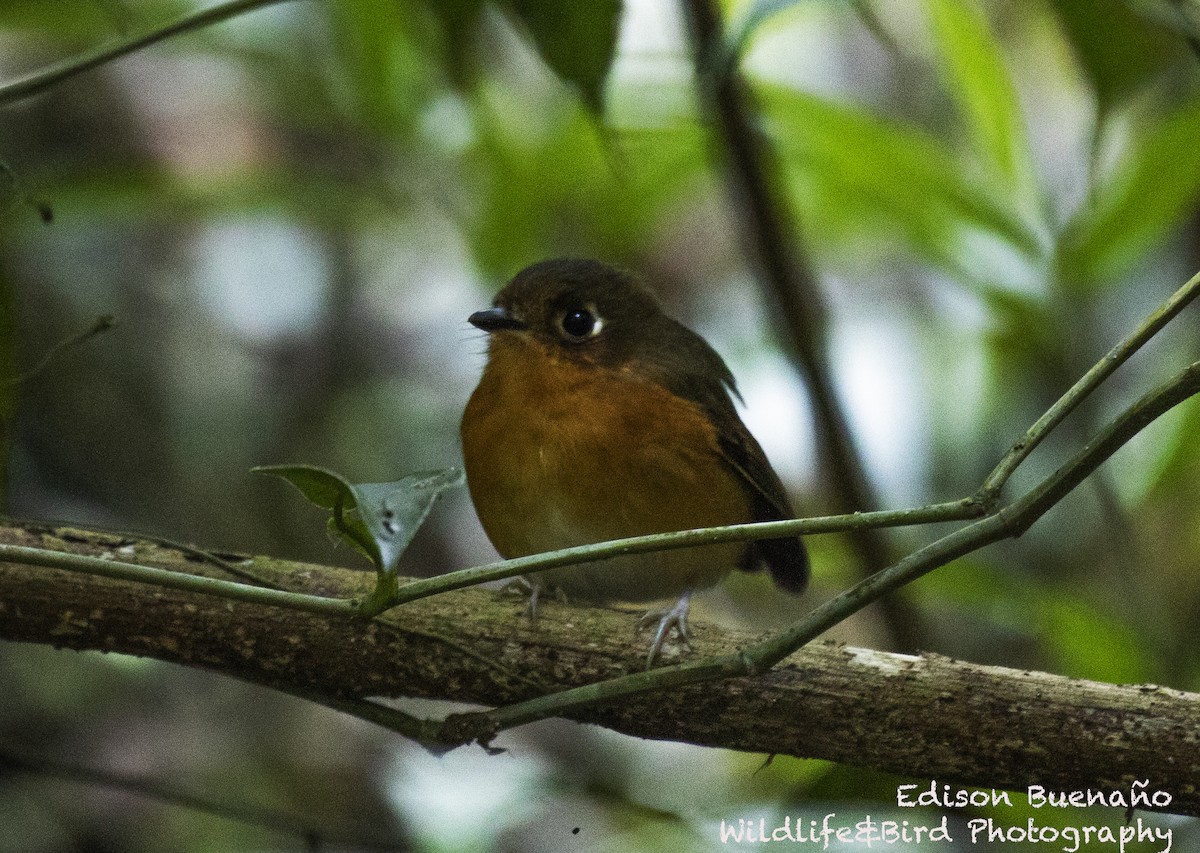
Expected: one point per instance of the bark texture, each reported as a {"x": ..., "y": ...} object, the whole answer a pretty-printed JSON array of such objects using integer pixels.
[{"x": 922, "y": 715}]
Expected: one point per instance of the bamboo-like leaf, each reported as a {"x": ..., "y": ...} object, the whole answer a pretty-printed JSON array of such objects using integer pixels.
[
  {"x": 858, "y": 165},
  {"x": 576, "y": 40},
  {"x": 978, "y": 78},
  {"x": 1118, "y": 49},
  {"x": 1151, "y": 192}
]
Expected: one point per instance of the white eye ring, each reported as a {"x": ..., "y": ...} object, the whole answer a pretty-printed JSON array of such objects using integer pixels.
[{"x": 580, "y": 324}]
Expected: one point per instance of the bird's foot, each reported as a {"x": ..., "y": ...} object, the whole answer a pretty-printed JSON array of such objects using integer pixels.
[
  {"x": 675, "y": 618},
  {"x": 532, "y": 591}
]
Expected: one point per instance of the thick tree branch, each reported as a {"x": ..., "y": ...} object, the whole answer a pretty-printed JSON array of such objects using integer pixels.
[{"x": 995, "y": 727}]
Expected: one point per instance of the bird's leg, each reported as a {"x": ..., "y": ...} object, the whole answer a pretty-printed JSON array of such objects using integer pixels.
[
  {"x": 675, "y": 618},
  {"x": 532, "y": 590}
]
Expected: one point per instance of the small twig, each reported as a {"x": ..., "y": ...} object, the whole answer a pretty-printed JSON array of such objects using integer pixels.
[
  {"x": 175, "y": 580},
  {"x": 1007, "y": 522},
  {"x": 953, "y": 511},
  {"x": 418, "y": 729},
  {"x": 1065, "y": 404},
  {"x": 41, "y": 80},
  {"x": 102, "y": 324},
  {"x": 104, "y": 567}
]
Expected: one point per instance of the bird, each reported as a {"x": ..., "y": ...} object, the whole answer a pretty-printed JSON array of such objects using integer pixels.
[{"x": 598, "y": 416}]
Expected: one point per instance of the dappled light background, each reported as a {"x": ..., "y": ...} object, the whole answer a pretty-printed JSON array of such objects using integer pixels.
[{"x": 291, "y": 215}]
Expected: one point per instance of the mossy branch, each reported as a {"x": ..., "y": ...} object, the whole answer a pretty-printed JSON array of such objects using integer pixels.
[
  {"x": 991, "y": 523},
  {"x": 923, "y": 716}
]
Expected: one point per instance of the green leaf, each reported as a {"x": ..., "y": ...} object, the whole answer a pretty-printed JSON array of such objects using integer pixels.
[
  {"x": 845, "y": 162},
  {"x": 576, "y": 40},
  {"x": 1118, "y": 49},
  {"x": 379, "y": 50},
  {"x": 750, "y": 20},
  {"x": 322, "y": 487},
  {"x": 393, "y": 512},
  {"x": 459, "y": 20},
  {"x": 330, "y": 491},
  {"x": 1152, "y": 191},
  {"x": 379, "y": 519},
  {"x": 979, "y": 80}
]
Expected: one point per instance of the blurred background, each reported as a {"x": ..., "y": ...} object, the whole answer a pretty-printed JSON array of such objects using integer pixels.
[{"x": 292, "y": 213}]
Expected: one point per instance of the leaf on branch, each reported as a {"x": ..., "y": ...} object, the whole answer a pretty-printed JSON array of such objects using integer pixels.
[
  {"x": 1118, "y": 47},
  {"x": 744, "y": 27},
  {"x": 845, "y": 162},
  {"x": 378, "y": 519},
  {"x": 577, "y": 41},
  {"x": 977, "y": 76},
  {"x": 1150, "y": 193}
]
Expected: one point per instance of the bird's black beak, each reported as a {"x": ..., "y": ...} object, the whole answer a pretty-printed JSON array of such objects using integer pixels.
[{"x": 495, "y": 319}]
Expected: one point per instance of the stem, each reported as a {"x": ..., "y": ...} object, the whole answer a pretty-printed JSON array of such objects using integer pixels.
[
  {"x": 41, "y": 80},
  {"x": 1111, "y": 438},
  {"x": 102, "y": 324},
  {"x": 953, "y": 511},
  {"x": 1115, "y": 357},
  {"x": 175, "y": 580},
  {"x": 415, "y": 728}
]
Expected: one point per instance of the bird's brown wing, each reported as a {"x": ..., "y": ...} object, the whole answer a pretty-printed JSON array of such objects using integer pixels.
[
  {"x": 787, "y": 559},
  {"x": 696, "y": 372}
]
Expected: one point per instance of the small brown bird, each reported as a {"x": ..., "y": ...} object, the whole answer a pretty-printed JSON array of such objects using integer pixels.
[{"x": 599, "y": 417}]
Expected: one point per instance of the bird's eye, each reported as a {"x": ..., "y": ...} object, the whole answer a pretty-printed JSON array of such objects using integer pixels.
[{"x": 579, "y": 324}]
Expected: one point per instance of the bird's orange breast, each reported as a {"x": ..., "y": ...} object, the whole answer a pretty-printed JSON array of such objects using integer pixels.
[{"x": 561, "y": 453}]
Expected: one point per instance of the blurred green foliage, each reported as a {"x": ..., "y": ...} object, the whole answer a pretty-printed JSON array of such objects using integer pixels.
[{"x": 292, "y": 214}]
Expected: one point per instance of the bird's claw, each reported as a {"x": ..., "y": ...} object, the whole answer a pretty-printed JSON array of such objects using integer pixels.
[
  {"x": 531, "y": 591},
  {"x": 675, "y": 618}
]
